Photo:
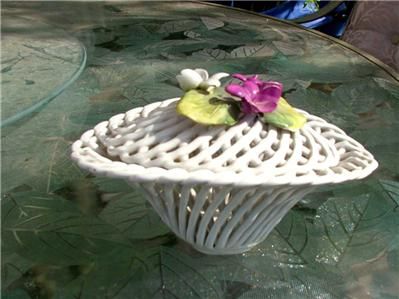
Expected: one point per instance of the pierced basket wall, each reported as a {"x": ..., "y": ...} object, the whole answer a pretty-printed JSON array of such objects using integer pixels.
[{"x": 222, "y": 189}]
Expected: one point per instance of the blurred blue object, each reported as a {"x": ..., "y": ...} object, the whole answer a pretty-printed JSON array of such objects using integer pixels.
[
  {"x": 330, "y": 17},
  {"x": 290, "y": 10}
]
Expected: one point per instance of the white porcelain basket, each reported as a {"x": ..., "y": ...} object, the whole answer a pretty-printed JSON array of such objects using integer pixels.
[{"x": 222, "y": 189}]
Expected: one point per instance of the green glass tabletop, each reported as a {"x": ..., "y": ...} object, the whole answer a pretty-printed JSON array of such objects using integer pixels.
[
  {"x": 68, "y": 234},
  {"x": 37, "y": 67}
]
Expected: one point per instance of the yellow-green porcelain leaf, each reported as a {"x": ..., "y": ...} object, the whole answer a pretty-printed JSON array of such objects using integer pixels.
[
  {"x": 285, "y": 117},
  {"x": 207, "y": 109}
]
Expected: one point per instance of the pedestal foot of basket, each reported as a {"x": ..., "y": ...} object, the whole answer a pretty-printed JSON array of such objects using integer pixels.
[{"x": 222, "y": 220}]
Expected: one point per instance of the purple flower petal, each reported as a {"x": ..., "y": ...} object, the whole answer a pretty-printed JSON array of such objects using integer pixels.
[
  {"x": 247, "y": 108},
  {"x": 243, "y": 78},
  {"x": 237, "y": 90},
  {"x": 264, "y": 106},
  {"x": 270, "y": 93},
  {"x": 274, "y": 84},
  {"x": 257, "y": 96},
  {"x": 255, "y": 80},
  {"x": 240, "y": 77},
  {"x": 252, "y": 88}
]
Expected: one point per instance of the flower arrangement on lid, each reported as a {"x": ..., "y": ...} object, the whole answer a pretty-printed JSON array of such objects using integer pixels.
[{"x": 206, "y": 102}]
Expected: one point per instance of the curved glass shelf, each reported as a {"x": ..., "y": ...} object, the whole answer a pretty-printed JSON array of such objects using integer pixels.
[{"x": 38, "y": 62}]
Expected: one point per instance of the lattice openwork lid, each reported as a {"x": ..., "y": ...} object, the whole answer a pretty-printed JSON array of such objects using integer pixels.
[{"x": 154, "y": 143}]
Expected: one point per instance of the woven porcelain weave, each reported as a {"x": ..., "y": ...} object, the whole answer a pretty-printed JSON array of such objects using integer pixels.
[{"x": 222, "y": 189}]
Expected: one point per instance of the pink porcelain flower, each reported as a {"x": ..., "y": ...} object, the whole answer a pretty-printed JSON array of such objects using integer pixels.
[{"x": 257, "y": 96}]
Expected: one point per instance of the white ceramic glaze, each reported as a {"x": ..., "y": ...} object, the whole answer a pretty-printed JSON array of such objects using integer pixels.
[{"x": 222, "y": 189}]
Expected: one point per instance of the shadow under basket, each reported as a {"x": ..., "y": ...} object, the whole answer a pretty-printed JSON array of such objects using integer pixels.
[{"x": 221, "y": 189}]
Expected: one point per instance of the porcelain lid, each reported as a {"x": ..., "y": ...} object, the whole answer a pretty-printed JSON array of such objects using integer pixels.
[{"x": 154, "y": 143}]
